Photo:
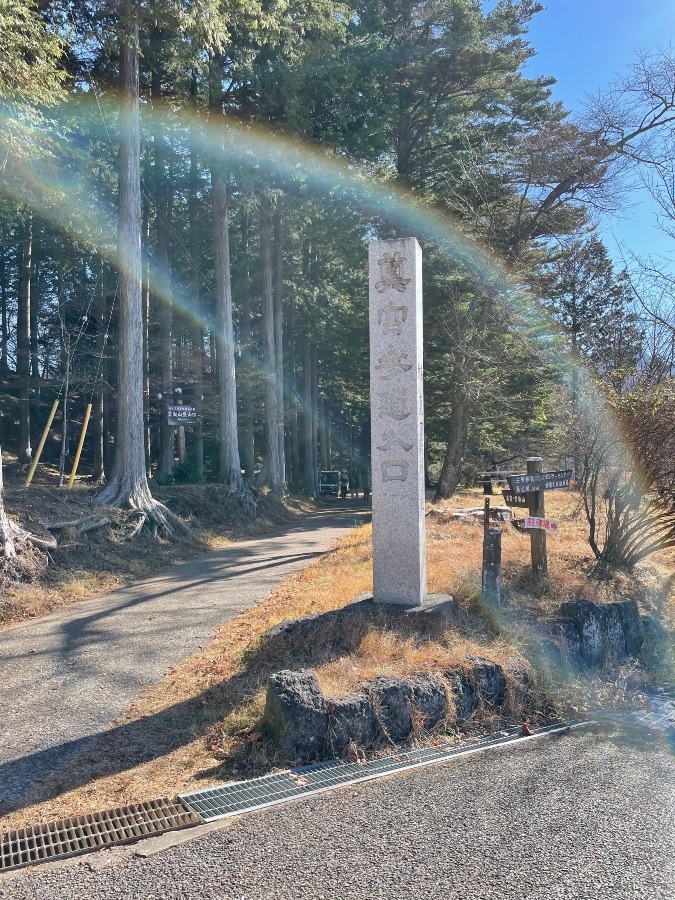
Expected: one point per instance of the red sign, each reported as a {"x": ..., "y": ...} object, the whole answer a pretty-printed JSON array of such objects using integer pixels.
[{"x": 544, "y": 524}]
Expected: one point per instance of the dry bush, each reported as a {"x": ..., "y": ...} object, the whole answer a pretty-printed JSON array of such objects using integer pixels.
[{"x": 629, "y": 477}]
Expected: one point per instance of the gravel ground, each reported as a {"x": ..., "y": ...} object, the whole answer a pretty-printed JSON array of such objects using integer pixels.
[
  {"x": 64, "y": 677},
  {"x": 574, "y": 816}
]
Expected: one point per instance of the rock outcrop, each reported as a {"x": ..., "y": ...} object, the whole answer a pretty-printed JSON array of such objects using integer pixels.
[
  {"x": 385, "y": 710},
  {"x": 600, "y": 634},
  {"x": 296, "y": 713}
]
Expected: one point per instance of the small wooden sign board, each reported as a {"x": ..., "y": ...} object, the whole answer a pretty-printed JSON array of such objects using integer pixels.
[
  {"x": 512, "y": 499},
  {"x": 539, "y": 481},
  {"x": 550, "y": 525},
  {"x": 181, "y": 415}
]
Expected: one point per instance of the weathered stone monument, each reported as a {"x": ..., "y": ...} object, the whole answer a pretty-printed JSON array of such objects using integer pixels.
[{"x": 397, "y": 414}]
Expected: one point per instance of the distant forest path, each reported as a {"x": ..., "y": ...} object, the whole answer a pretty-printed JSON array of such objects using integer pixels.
[{"x": 65, "y": 677}]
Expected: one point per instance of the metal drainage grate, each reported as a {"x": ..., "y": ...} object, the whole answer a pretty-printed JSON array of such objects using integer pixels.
[
  {"x": 67, "y": 837},
  {"x": 244, "y": 796}
]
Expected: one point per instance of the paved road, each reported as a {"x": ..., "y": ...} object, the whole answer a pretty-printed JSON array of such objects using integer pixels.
[
  {"x": 65, "y": 677},
  {"x": 574, "y": 816}
]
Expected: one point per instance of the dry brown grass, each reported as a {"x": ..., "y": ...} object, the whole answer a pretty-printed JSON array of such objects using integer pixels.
[{"x": 202, "y": 722}]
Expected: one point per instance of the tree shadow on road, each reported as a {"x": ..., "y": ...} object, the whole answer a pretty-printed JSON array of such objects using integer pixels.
[{"x": 308, "y": 642}]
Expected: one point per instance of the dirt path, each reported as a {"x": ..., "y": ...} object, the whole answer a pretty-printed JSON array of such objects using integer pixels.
[{"x": 65, "y": 677}]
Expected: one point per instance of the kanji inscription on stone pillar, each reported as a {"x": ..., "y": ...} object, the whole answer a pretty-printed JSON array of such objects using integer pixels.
[{"x": 397, "y": 414}]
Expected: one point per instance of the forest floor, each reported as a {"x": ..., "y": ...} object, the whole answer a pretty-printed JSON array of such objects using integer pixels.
[{"x": 220, "y": 691}]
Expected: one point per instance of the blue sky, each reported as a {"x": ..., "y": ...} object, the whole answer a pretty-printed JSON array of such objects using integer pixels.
[{"x": 583, "y": 44}]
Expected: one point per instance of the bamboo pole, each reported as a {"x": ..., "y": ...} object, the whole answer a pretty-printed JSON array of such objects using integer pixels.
[
  {"x": 76, "y": 461},
  {"x": 35, "y": 462}
]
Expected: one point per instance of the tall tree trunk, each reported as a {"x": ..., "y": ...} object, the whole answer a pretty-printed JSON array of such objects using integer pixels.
[
  {"x": 164, "y": 307},
  {"x": 278, "y": 338},
  {"x": 9, "y": 530},
  {"x": 228, "y": 435},
  {"x": 460, "y": 417},
  {"x": 64, "y": 372},
  {"x": 98, "y": 473},
  {"x": 293, "y": 381},
  {"x": 180, "y": 430},
  {"x": 315, "y": 420},
  {"x": 323, "y": 434},
  {"x": 308, "y": 425},
  {"x": 329, "y": 437},
  {"x": 34, "y": 323},
  {"x": 273, "y": 467},
  {"x": 247, "y": 435},
  {"x": 457, "y": 441},
  {"x": 128, "y": 485},
  {"x": 230, "y": 465},
  {"x": 4, "y": 334},
  {"x": 146, "y": 303},
  {"x": 163, "y": 289},
  {"x": 25, "y": 452},
  {"x": 196, "y": 300},
  {"x": 107, "y": 451}
]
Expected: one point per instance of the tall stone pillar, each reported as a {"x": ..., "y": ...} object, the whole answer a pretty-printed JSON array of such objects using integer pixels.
[{"x": 397, "y": 412}]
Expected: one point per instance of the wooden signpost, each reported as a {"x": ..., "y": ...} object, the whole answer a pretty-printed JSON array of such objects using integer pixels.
[
  {"x": 527, "y": 490},
  {"x": 550, "y": 525},
  {"x": 512, "y": 499},
  {"x": 492, "y": 559},
  {"x": 535, "y": 504},
  {"x": 539, "y": 481}
]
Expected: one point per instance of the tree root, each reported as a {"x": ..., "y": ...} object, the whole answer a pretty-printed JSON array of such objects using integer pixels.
[
  {"x": 248, "y": 497},
  {"x": 139, "y": 501},
  {"x": 43, "y": 543},
  {"x": 82, "y": 526}
]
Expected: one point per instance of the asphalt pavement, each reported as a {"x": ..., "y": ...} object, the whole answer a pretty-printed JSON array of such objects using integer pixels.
[
  {"x": 65, "y": 677},
  {"x": 579, "y": 815}
]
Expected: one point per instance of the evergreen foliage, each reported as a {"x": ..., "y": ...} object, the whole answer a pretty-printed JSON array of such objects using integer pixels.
[{"x": 382, "y": 106}]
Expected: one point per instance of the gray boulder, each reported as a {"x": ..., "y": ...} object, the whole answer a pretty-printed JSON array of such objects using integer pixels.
[
  {"x": 429, "y": 699},
  {"x": 571, "y": 639},
  {"x": 396, "y": 700},
  {"x": 296, "y": 714},
  {"x": 351, "y": 718},
  {"x": 489, "y": 680},
  {"x": 613, "y": 638},
  {"x": 484, "y": 683},
  {"x": 391, "y": 698},
  {"x": 632, "y": 625},
  {"x": 599, "y": 633},
  {"x": 588, "y": 620},
  {"x": 466, "y": 699}
]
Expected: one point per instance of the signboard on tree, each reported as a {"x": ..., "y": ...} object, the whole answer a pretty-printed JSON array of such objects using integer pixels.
[
  {"x": 550, "y": 525},
  {"x": 539, "y": 481},
  {"x": 181, "y": 415}
]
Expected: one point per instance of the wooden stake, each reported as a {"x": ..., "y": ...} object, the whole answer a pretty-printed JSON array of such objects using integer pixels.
[
  {"x": 79, "y": 447},
  {"x": 492, "y": 566},
  {"x": 535, "y": 502},
  {"x": 486, "y": 515},
  {"x": 35, "y": 462}
]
